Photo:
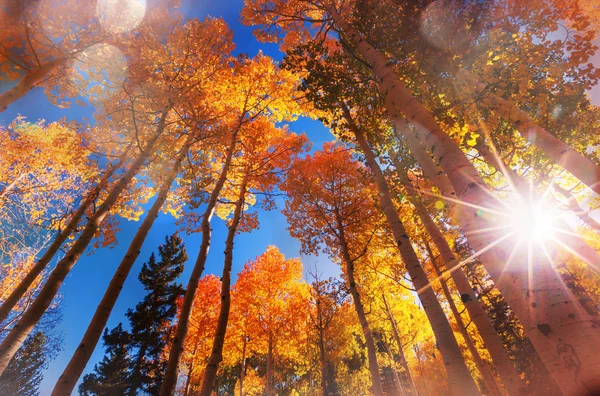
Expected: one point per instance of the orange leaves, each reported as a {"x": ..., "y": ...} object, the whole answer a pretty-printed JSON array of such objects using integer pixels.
[{"x": 327, "y": 191}]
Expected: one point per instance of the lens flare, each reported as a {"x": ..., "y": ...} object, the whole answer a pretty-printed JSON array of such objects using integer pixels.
[{"x": 531, "y": 222}]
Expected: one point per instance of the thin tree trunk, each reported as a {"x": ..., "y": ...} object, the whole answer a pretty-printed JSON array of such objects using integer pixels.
[
  {"x": 508, "y": 374},
  {"x": 411, "y": 383},
  {"x": 561, "y": 153},
  {"x": 25, "y": 283},
  {"x": 269, "y": 384},
  {"x": 488, "y": 377},
  {"x": 210, "y": 373},
  {"x": 28, "y": 81},
  {"x": 21, "y": 330},
  {"x": 360, "y": 311},
  {"x": 67, "y": 381},
  {"x": 557, "y": 325},
  {"x": 322, "y": 360},
  {"x": 400, "y": 388},
  {"x": 188, "y": 380},
  {"x": 243, "y": 368},
  {"x": 170, "y": 379},
  {"x": 459, "y": 377}
]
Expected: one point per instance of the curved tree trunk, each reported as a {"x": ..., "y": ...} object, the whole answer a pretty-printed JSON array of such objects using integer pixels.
[
  {"x": 557, "y": 325},
  {"x": 48, "y": 255},
  {"x": 459, "y": 377},
  {"x": 67, "y": 381},
  {"x": 506, "y": 370},
  {"x": 216, "y": 355},
  {"x": 488, "y": 376},
  {"x": 360, "y": 311},
  {"x": 21, "y": 330},
  {"x": 561, "y": 153},
  {"x": 29, "y": 81},
  {"x": 170, "y": 379},
  {"x": 411, "y": 383}
]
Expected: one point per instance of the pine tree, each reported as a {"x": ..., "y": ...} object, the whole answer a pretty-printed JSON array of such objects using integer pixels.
[
  {"x": 151, "y": 319},
  {"x": 24, "y": 373},
  {"x": 111, "y": 375}
]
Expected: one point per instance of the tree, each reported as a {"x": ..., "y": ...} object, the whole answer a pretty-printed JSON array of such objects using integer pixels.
[
  {"x": 271, "y": 290},
  {"x": 111, "y": 376},
  {"x": 151, "y": 319}
]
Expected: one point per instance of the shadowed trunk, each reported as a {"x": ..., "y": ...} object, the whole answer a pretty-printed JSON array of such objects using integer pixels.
[
  {"x": 506, "y": 370},
  {"x": 459, "y": 377},
  {"x": 39, "y": 266},
  {"x": 21, "y": 330},
  {"x": 559, "y": 329},
  {"x": 67, "y": 381},
  {"x": 210, "y": 373},
  {"x": 170, "y": 379}
]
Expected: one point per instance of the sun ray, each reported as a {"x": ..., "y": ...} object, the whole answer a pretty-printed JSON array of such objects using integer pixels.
[{"x": 466, "y": 261}]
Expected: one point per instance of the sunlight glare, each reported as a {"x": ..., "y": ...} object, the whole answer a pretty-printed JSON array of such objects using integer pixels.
[
  {"x": 120, "y": 16},
  {"x": 530, "y": 221}
]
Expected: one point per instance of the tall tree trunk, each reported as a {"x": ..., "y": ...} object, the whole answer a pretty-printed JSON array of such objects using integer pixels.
[
  {"x": 170, "y": 379},
  {"x": 21, "y": 330},
  {"x": 243, "y": 368},
  {"x": 403, "y": 362},
  {"x": 28, "y": 81},
  {"x": 459, "y": 377},
  {"x": 488, "y": 376},
  {"x": 360, "y": 311},
  {"x": 506, "y": 370},
  {"x": 322, "y": 361},
  {"x": 67, "y": 381},
  {"x": 561, "y": 153},
  {"x": 268, "y": 387},
  {"x": 216, "y": 355},
  {"x": 188, "y": 380},
  {"x": 39, "y": 266},
  {"x": 400, "y": 387},
  {"x": 556, "y": 324}
]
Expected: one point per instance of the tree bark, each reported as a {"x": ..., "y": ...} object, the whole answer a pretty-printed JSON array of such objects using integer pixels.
[
  {"x": 25, "y": 283},
  {"x": 360, "y": 311},
  {"x": 28, "y": 81},
  {"x": 459, "y": 377},
  {"x": 170, "y": 379},
  {"x": 508, "y": 374},
  {"x": 411, "y": 383},
  {"x": 557, "y": 325},
  {"x": 21, "y": 330},
  {"x": 488, "y": 377},
  {"x": 269, "y": 384},
  {"x": 67, "y": 381},
  {"x": 323, "y": 362},
  {"x": 210, "y": 373},
  {"x": 561, "y": 153}
]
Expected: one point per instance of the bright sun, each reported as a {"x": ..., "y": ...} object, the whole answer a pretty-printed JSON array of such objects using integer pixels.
[{"x": 531, "y": 222}]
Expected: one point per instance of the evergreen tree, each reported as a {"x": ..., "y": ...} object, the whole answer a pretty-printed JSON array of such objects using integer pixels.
[
  {"x": 24, "y": 373},
  {"x": 151, "y": 319},
  {"x": 111, "y": 375}
]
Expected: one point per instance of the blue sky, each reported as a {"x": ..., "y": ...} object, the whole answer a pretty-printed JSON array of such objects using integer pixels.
[{"x": 85, "y": 285}]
